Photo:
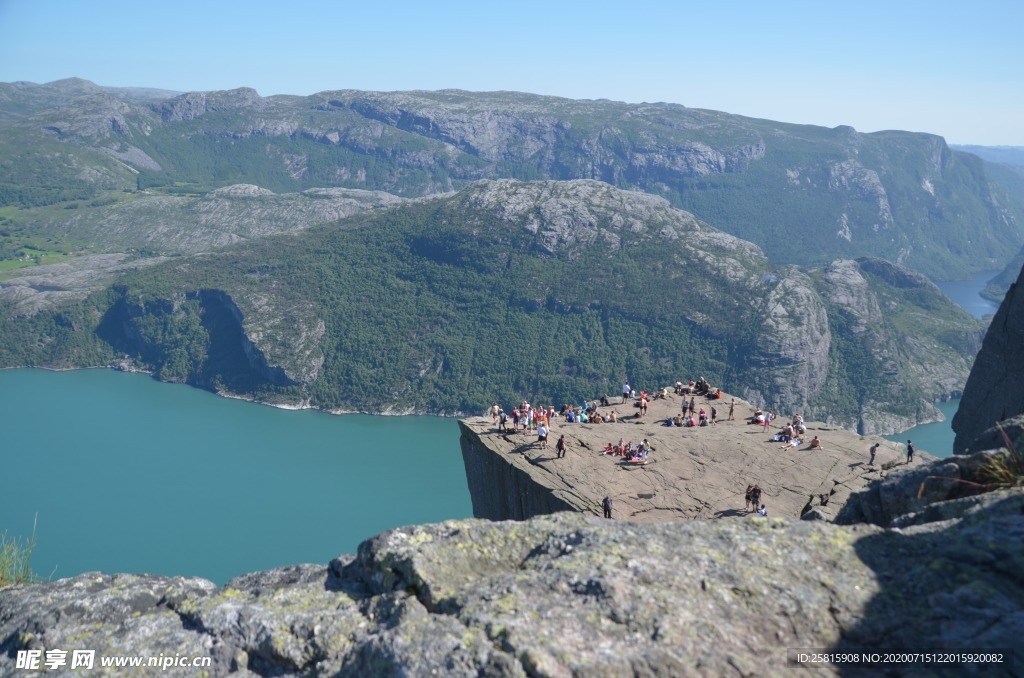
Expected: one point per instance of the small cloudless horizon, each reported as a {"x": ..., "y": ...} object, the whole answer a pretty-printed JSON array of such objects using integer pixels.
[{"x": 941, "y": 67}]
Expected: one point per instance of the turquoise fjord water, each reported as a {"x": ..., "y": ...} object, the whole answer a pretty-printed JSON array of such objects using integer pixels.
[
  {"x": 967, "y": 294},
  {"x": 937, "y": 437},
  {"x": 128, "y": 474}
]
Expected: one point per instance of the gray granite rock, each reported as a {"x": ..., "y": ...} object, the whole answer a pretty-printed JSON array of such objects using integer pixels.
[
  {"x": 994, "y": 391},
  {"x": 563, "y": 595}
]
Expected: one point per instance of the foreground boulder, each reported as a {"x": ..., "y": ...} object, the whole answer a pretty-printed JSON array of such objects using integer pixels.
[{"x": 563, "y": 595}]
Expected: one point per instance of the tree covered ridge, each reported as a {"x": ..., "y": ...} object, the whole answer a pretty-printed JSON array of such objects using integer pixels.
[{"x": 445, "y": 305}]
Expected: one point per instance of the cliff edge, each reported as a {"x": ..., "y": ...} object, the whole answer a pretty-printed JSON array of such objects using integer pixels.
[{"x": 692, "y": 473}]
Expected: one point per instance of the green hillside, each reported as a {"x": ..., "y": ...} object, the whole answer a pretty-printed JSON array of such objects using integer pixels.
[{"x": 555, "y": 291}]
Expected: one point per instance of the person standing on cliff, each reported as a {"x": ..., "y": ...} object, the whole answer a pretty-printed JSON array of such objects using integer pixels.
[
  {"x": 874, "y": 448},
  {"x": 732, "y": 410},
  {"x": 607, "y": 505},
  {"x": 502, "y": 421},
  {"x": 542, "y": 436},
  {"x": 560, "y": 446},
  {"x": 910, "y": 451},
  {"x": 625, "y": 391},
  {"x": 750, "y": 491}
]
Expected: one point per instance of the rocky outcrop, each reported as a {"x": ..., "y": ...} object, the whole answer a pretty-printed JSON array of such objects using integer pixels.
[
  {"x": 994, "y": 391},
  {"x": 791, "y": 345},
  {"x": 195, "y": 104},
  {"x": 696, "y": 473},
  {"x": 564, "y": 595},
  {"x": 939, "y": 490}
]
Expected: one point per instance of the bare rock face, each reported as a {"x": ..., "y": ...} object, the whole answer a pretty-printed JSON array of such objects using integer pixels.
[
  {"x": 995, "y": 390},
  {"x": 563, "y": 595},
  {"x": 39, "y": 288},
  {"x": 195, "y": 104},
  {"x": 792, "y": 344},
  {"x": 188, "y": 225}
]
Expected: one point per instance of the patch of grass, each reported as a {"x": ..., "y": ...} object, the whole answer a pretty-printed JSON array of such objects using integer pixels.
[
  {"x": 15, "y": 557},
  {"x": 1004, "y": 469}
]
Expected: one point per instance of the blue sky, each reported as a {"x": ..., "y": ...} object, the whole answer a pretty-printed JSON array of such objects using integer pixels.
[{"x": 949, "y": 68}]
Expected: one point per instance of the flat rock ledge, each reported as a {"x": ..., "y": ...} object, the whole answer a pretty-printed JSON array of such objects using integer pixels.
[
  {"x": 693, "y": 474},
  {"x": 566, "y": 595}
]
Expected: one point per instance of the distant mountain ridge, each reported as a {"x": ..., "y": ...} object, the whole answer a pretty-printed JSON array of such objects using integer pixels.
[
  {"x": 806, "y": 194},
  {"x": 1005, "y": 155}
]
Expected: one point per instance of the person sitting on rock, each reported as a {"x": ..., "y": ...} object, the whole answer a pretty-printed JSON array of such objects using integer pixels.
[
  {"x": 614, "y": 416},
  {"x": 815, "y": 444},
  {"x": 763, "y": 512},
  {"x": 609, "y": 449}
]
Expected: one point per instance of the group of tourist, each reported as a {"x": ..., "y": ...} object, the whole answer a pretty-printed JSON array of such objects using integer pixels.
[
  {"x": 636, "y": 453},
  {"x": 699, "y": 387},
  {"x": 526, "y": 417},
  {"x": 689, "y": 417}
]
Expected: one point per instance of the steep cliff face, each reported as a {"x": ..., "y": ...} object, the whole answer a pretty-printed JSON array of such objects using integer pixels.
[
  {"x": 202, "y": 337},
  {"x": 501, "y": 489},
  {"x": 995, "y": 390},
  {"x": 791, "y": 344}
]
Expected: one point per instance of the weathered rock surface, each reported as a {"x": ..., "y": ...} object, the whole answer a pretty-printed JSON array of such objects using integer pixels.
[
  {"x": 563, "y": 595},
  {"x": 693, "y": 474},
  {"x": 188, "y": 224},
  {"x": 45, "y": 287},
  {"x": 994, "y": 391},
  {"x": 928, "y": 492}
]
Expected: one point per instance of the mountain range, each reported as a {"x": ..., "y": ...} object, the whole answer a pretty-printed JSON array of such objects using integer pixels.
[{"x": 433, "y": 251}]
